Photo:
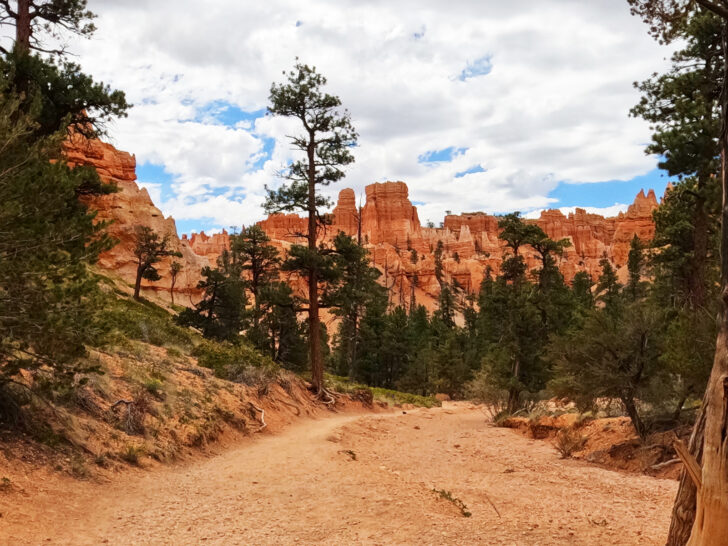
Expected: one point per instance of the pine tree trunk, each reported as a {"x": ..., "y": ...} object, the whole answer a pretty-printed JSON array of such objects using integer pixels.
[
  {"x": 22, "y": 28},
  {"x": 700, "y": 252},
  {"x": 634, "y": 416},
  {"x": 171, "y": 289},
  {"x": 314, "y": 323},
  {"x": 710, "y": 527},
  {"x": 138, "y": 282},
  {"x": 683, "y": 510}
]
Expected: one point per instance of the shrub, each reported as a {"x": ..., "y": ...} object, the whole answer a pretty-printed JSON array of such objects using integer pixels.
[
  {"x": 132, "y": 454},
  {"x": 237, "y": 362},
  {"x": 568, "y": 441},
  {"x": 483, "y": 389},
  {"x": 132, "y": 417},
  {"x": 459, "y": 504},
  {"x": 154, "y": 387}
]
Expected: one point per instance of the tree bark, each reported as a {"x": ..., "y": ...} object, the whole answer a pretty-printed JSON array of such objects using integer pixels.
[
  {"x": 138, "y": 282},
  {"x": 23, "y": 28},
  {"x": 314, "y": 322},
  {"x": 710, "y": 527},
  {"x": 634, "y": 416},
  {"x": 700, "y": 251},
  {"x": 683, "y": 510}
]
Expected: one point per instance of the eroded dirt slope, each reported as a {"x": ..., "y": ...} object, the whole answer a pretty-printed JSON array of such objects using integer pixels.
[{"x": 304, "y": 486}]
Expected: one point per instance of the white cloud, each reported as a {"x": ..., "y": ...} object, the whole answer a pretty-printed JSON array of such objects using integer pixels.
[{"x": 554, "y": 106}]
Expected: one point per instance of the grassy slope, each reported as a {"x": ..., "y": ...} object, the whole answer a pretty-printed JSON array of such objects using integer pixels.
[{"x": 162, "y": 391}]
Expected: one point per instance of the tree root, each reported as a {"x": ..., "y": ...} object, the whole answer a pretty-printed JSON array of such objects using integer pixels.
[
  {"x": 664, "y": 464},
  {"x": 327, "y": 397},
  {"x": 262, "y": 416},
  {"x": 294, "y": 406}
]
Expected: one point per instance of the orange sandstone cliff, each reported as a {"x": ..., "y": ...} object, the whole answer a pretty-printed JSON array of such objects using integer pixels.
[
  {"x": 390, "y": 228},
  {"x": 129, "y": 207}
]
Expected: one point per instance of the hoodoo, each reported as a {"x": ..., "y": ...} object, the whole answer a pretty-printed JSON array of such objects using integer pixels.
[{"x": 390, "y": 228}]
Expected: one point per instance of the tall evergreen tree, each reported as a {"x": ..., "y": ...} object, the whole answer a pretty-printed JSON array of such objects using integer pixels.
[
  {"x": 259, "y": 265},
  {"x": 221, "y": 313},
  {"x": 325, "y": 142},
  {"x": 354, "y": 288},
  {"x": 49, "y": 238},
  {"x": 57, "y": 85},
  {"x": 667, "y": 20}
]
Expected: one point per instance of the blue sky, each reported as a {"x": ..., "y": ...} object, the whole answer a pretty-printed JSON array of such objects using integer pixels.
[{"x": 476, "y": 105}]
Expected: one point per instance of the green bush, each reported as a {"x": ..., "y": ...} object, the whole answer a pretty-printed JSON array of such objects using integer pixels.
[
  {"x": 237, "y": 362},
  {"x": 121, "y": 319},
  {"x": 344, "y": 385}
]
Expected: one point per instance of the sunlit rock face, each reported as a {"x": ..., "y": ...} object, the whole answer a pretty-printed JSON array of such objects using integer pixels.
[
  {"x": 400, "y": 247},
  {"x": 129, "y": 207}
]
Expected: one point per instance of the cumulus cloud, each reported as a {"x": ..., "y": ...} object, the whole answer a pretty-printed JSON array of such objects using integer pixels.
[{"x": 532, "y": 96}]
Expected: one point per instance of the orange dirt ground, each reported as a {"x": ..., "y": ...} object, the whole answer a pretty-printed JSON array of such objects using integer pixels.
[{"x": 303, "y": 486}]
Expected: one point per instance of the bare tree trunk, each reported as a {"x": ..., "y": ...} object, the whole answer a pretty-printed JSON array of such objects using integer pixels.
[
  {"x": 22, "y": 28},
  {"x": 700, "y": 252},
  {"x": 314, "y": 322},
  {"x": 514, "y": 395},
  {"x": 683, "y": 511},
  {"x": 138, "y": 282}
]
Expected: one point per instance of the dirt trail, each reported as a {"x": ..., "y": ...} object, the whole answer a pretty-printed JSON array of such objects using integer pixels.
[{"x": 303, "y": 487}]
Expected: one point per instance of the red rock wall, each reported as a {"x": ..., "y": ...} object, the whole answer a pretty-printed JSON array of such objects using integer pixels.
[
  {"x": 390, "y": 228},
  {"x": 131, "y": 207}
]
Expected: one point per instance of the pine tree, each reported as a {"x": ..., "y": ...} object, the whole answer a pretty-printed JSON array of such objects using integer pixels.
[
  {"x": 667, "y": 20},
  {"x": 174, "y": 270},
  {"x": 355, "y": 286},
  {"x": 221, "y": 313},
  {"x": 259, "y": 265},
  {"x": 49, "y": 238},
  {"x": 635, "y": 264},
  {"x": 59, "y": 86},
  {"x": 149, "y": 249},
  {"x": 326, "y": 141}
]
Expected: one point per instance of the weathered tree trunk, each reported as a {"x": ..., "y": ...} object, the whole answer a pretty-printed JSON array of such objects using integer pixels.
[
  {"x": 314, "y": 322},
  {"x": 710, "y": 527},
  {"x": 23, "y": 28},
  {"x": 683, "y": 511}
]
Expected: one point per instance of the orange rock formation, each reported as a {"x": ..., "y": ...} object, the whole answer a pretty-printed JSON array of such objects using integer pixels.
[
  {"x": 390, "y": 228},
  {"x": 128, "y": 208}
]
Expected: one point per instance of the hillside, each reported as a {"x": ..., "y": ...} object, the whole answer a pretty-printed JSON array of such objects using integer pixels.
[{"x": 158, "y": 393}]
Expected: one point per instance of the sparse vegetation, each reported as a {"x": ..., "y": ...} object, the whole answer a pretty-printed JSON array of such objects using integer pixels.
[
  {"x": 342, "y": 384},
  {"x": 568, "y": 441},
  {"x": 459, "y": 504},
  {"x": 132, "y": 454}
]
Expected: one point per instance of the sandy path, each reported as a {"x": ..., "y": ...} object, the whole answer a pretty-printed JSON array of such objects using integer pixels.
[{"x": 302, "y": 486}]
